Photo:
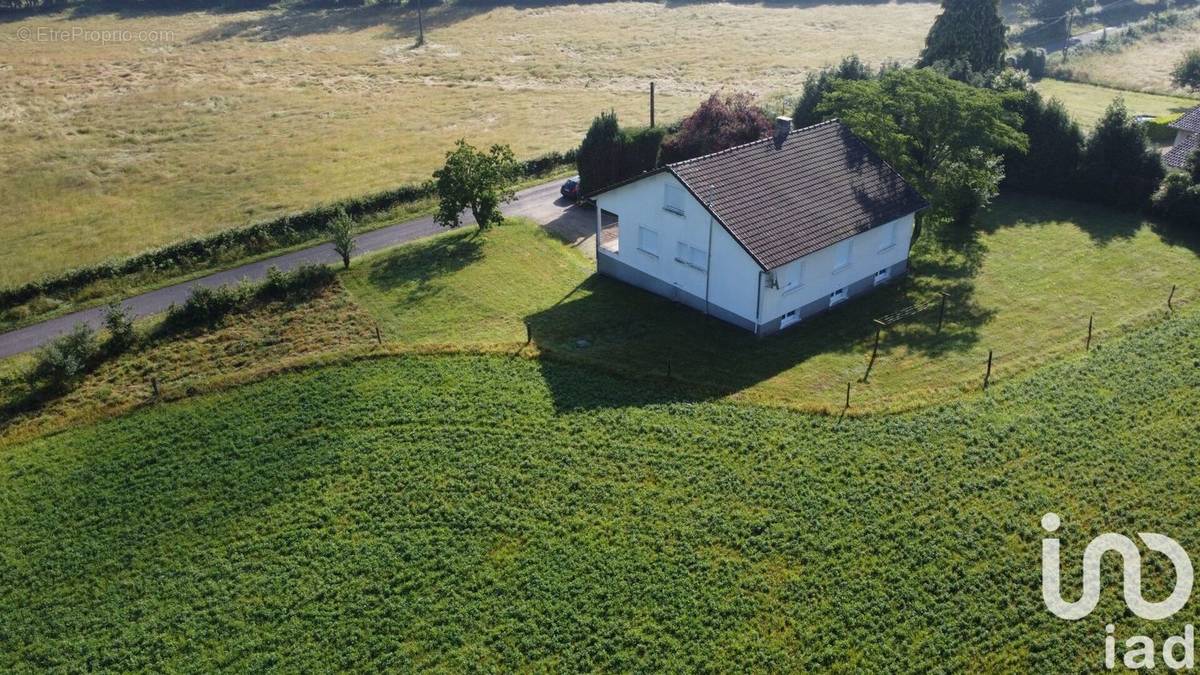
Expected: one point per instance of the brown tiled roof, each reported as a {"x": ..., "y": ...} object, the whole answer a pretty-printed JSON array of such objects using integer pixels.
[
  {"x": 1177, "y": 156},
  {"x": 784, "y": 201},
  {"x": 1189, "y": 122}
]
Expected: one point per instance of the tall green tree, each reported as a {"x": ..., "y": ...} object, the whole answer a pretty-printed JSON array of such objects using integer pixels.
[
  {"x": 930, "y": 128},
  {"x": 817, "y": 84},
  {"x": 969, "y": 31},
  {"x": 476, "y": 180},
  {"x": 610, "y": 154},
  {"x": 1119, "y": 166}
]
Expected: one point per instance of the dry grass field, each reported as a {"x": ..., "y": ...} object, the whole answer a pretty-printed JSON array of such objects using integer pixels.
[
  {"x": 1143, "y": 66},
  {"x": 232, "y": 117}
]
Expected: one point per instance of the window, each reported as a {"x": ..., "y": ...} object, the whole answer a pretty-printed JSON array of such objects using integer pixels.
[
  {"x": 837, "y": 296},
  {"x": 648, "y": 240},
  {"x": 841, "y": 258},
  {"x": 882, "y": 276},
  {"x": 793, "y": 278},
  {"x": 691, "y": 256},
  {"x": 673, "y": 199},
  {"x": 889, "y": 236}
]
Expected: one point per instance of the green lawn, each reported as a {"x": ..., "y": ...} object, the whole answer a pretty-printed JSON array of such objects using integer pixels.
[
  {"x": 1087, "y": 102},
  {"x": 489, "y": 513},
  {"x": 1024, "y": 290}
]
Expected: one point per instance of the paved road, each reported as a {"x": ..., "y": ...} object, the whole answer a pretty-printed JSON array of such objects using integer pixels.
[{"x": 540, "y": 203}]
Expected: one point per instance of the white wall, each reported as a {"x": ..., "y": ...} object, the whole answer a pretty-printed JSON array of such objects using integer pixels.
[
  {"x": 734, "y": 283},
  {"x": 733, "y": 279},
  {"x": 640, "y": 204},
  {"x": 820, "y": 277}
]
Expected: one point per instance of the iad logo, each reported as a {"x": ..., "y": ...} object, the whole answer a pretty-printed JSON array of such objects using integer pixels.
[
  {"x": 1178, "y": 651},
  {"x": 1132, "y": 572}
]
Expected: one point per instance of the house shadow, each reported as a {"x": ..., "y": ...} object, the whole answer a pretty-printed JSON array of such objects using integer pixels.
[{"x": 669, "y": 353}]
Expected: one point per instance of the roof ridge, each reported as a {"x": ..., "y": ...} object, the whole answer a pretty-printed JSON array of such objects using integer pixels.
[{"x": 754, "y": 142}]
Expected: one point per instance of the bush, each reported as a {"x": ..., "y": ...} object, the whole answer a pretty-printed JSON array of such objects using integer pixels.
[
  {"x": 341, "y": 235},
  {"x": 302, "y": 283},
  {"x": 1187, "y": 72},
  {"x": 719, "y": 123},
  {"x": 119, "y": 323},
  {"x": 204, "y": 308},
  {"x": 1178, "y": 201},
  {"x": 61, "y": 363},
  {"x": 1159, "y": 129},
  {"x": 609, "y": 154},
  {"x": 1032, "y": 61}
]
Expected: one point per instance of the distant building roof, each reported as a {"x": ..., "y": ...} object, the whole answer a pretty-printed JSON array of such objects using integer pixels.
[
  {"x": 1177, "y": 156},
  {"x": 784, "y": 200},
  {"x": 1189, "y": 122}
]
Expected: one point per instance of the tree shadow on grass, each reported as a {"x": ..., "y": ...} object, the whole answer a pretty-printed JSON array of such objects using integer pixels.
[
  {"x": 679, "y": 354},
  {"x": 1103, "y": 224},
  {"x": 421, "y": 266}
]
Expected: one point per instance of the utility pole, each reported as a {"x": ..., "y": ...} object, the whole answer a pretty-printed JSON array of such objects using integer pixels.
[
  {"x": 420, "y": 23},
  {"x": 651, "y": 104}
]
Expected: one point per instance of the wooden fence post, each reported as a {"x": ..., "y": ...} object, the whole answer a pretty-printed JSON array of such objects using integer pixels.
[
  {"x": 847, "y": 395},
  {"x": 378, "y": 335},
  {"x": 942, "y": 312},
  {"x": 988, "y": 375},
  {"x": 1170, "y": 298},
  {"x": 1088, "y": 347},
  {"x": 154, "y": 385}
]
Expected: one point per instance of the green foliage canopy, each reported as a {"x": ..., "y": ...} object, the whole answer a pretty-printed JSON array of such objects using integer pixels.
[
  {"x": 476, "y": 180},
  {"x": 970, "y": 31},
  {"x": 1187, "y": 72},
  {"x": 929, "y": 127}
]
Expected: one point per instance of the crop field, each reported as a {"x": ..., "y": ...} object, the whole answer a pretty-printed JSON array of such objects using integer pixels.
[
  {"x": 1142, "y": 66},
  {"x": 216, "y": 119},
  {"x": 467, "y": 512},
  {"x": 1087, "y": 102},
  {"x": 1025, "y": 290}
]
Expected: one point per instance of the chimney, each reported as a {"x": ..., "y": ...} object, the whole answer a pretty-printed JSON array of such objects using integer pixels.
[{"x": 783, "y": 127}]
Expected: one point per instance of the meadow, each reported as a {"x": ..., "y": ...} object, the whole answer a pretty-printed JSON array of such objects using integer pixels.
[
  {"x": 490, "y": 513},
  {"x": 1024, "y": 289},
  {"x": 1143, "y": 66},
  {"x": 229, "y": 117},
  {"x": 1087, "y": 102}
]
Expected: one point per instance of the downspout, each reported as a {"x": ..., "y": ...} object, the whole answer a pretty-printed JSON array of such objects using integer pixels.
[
  {"x": 758, "y": 303},
  {"x": 708, "y": 265}
]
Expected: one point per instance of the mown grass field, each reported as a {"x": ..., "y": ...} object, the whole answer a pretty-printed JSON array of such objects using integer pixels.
[
  {"x": 1024, "y": 289},
  {"x": 1087, "y": 102},
  {"x": 231, "y": 117},
  {"x": 462, "y": 513}
]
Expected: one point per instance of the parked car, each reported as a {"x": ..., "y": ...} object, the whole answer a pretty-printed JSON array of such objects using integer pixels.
[{"x": 570, "y": 189}]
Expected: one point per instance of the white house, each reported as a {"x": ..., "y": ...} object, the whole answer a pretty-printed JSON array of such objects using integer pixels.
[
  {"x": 763, "y": 235},
  {"x": 1187, "y": 139}
]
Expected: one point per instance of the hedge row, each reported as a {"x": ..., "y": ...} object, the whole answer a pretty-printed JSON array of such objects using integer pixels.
[{"x": 259, "y": 237}]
